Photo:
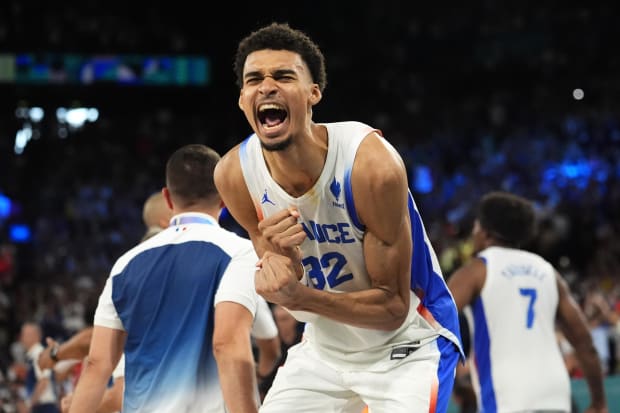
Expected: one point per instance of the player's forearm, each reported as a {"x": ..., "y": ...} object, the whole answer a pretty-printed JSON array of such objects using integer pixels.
[
  {"x": 112, "y": 400},
  {"x": 237, "y": 380},
  {"x": 77, "y": 347},
  {"x": 72, "y": 352},
  {"x": 374, "y": 308},
  {"x": 593, "y": 373},
  {"x": 89, "y": 391},
  {"x": 575, "y": 329}
]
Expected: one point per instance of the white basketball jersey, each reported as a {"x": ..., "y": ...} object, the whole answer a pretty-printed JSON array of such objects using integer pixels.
[
  {"x": 333, "y": 253},
  {"x": 518, "y": 364}
]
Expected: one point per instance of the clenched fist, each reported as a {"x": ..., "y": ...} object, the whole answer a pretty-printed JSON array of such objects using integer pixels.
[
  {"x": 277, "y": 278},
  {"x": 283, "y": 234}
]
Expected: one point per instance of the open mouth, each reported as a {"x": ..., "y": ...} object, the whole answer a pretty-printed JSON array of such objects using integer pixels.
[{"x": 271, "y": 115}]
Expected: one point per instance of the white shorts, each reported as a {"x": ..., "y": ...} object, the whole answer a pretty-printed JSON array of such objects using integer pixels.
[{"x": 422, "y": 381}]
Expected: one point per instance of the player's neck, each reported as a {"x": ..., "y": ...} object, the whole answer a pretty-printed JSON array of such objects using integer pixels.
[
  {"x": 297, "y": 168},
  {"x": 210, "y": 210}
]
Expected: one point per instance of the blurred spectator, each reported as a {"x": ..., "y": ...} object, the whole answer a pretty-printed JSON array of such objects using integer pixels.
[
  {"x": 41, "y": 392},
  {"x": 602, "y": 320}
]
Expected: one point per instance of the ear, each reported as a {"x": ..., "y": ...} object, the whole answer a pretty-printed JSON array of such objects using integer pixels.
[
  {"x": 166, "y": 193},
  {"x": 315, "y": 94},
  {"x": 239, "y": 101}
]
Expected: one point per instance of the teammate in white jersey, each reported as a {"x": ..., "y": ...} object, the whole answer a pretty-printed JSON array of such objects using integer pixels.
[
  {"x": 156, "y": 216},
  {"x": 181, "y": 305},
  {"x": 341, "y": 242},
  {"x": 515, "y": 298}
]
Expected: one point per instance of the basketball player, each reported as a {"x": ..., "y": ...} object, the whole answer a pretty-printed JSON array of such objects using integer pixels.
[
  {"x": 515, "y": 297},
  {"x": 341, "y": 242}
]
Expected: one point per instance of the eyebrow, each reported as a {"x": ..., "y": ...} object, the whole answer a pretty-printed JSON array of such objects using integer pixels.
[{"x": 276, "y": 73}]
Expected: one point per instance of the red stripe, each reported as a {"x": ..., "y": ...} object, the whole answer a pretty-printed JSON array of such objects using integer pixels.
[{"x": 434, "y": 390}]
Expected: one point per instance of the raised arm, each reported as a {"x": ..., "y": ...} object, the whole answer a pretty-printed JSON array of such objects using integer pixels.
[{"x": 574, "y": 326}]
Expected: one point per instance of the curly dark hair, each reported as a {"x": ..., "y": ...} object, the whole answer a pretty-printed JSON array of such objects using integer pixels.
[
  {"x": 280, "y": 36},
  {"x": 507, "y": 217}
]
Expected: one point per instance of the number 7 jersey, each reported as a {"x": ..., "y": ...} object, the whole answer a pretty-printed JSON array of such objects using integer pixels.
[
  {"x": 333, "y": 252},
  {"x": 517, "y": 365}
]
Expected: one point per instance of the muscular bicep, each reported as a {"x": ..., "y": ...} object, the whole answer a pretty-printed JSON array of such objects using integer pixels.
[
  {"x": 233, "y": 190},
  {"x": 380, "y": 191},
  {"x": 388, "y": 264}
]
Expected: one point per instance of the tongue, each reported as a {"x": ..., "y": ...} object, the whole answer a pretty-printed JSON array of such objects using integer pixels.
[{"x": 272, "y": 121}]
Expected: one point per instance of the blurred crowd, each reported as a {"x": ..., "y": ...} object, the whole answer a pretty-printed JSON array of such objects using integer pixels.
[{"x": 475, "y": 100}]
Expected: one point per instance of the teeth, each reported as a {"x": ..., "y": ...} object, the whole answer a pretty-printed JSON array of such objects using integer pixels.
[{"x": 268, "y": 106}]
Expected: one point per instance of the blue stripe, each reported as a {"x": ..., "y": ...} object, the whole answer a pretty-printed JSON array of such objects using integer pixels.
[
  {"x": 183, "y": 220},
  {"x": 446, "y": 372},
  {"x": 482, "y": 351},
  {"x": 348, "y": 196},
  {"x": 429, "y": 286}
]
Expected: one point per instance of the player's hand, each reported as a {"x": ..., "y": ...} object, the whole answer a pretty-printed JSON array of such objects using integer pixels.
[
  {"x": 45, "y": 361},
  {"x": 283, "y": 233},
  {"x": 276, "y": 279}
]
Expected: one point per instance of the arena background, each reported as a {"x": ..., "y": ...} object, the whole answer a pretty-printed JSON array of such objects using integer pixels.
[{"x": 480, "y": 96}]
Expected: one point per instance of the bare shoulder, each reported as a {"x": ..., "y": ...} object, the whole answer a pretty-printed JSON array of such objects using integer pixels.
[
  {"x": 376, "y": 158},
  {"x": 228, "y": 170},
  {"x": 378, "y": 170},
  {"x": 230, "y": 184},
  {"x": 379, "y": 182}
]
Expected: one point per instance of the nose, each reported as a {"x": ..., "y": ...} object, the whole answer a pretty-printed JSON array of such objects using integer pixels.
[{"x": 268, "y": 85}]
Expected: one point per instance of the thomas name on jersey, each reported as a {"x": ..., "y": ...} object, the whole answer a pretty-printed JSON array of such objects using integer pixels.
[{"x": 522, "y": 270}]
